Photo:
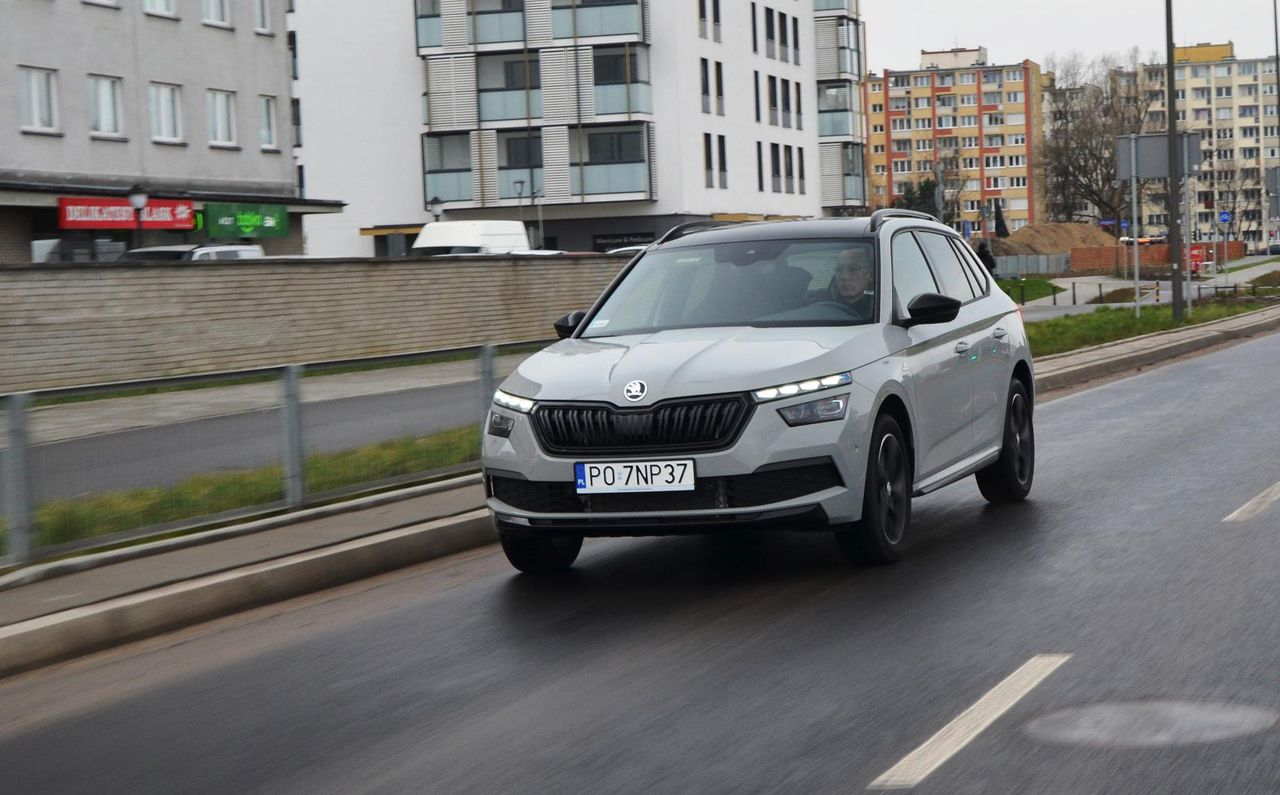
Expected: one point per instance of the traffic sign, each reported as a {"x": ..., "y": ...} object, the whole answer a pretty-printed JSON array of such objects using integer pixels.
[
  {"x": 1224, "y": 217},
  {"x": 967, "y": 226},
  {"x": 1124, "y": 223}
]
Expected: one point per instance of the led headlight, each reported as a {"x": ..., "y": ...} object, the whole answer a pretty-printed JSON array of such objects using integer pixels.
[
  {"x": 824, "y": 410},
  {"x": 802, "y": 387},
  {"x": 522, "y": 405}
]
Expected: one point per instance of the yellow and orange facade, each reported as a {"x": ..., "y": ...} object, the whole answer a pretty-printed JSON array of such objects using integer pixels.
[{"x": 978, "y": 126}]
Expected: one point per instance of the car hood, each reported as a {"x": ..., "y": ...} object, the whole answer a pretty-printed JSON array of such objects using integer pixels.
[{"x": 685, "y": 362}]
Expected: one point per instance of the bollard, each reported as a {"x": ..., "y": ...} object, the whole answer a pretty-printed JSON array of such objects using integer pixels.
[
  {"x": 17, "y": 489},
  {"x": 294, "y": 455},
  {"x": 487, "y": 386},
  {"x": 1099, "y": 292},
  {"x": 1022, "y": 293},
  {"x": 1055, "y": 294},
  {"x": 1073, "y": 293},
  {"x": 1157, "y": 292},
  {"x": 1235, "y": 291}
]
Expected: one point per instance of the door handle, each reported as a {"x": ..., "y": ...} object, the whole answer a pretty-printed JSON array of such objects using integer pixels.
[
  {"x": 999, "y": 333},
  {"x": 962, "y": 347}
]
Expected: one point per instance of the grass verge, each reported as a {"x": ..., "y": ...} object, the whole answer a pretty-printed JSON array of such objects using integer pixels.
[
  {"x": 67, "y": 520},
  {"x": 1108, "y": 324},
  {"x": 1267, "y": 280},
  {"x": 1029, "y": 289}
]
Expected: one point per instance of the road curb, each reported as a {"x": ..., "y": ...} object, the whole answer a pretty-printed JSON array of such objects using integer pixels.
[
  {"x": 1180, "y": 342},
  {"x": 72, "y": 633},
  {"x": 57, "y": 568}
]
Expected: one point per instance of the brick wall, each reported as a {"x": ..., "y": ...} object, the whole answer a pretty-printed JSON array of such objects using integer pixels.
[
  {"x": 65, "y": 325},
  {"x": 1104, "y": 260}
]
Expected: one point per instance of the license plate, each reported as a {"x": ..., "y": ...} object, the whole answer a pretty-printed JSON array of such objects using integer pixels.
[{"x": 608, "y": 477}]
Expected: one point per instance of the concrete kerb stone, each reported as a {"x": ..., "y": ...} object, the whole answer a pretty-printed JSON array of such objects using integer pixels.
[
  {"x": 1076, "y": 367},
  {"x": 57, "y": 568},
  {"x": 83, "y": 630}
]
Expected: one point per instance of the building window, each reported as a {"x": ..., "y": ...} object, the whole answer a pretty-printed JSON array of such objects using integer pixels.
[
  {"x": 800, "y": 163},
  {"x": 267, "y": 127},
  {"x": 216, "y": 12},
  {"x": 715, "y": 19},
  {"x": 755, "y": 37},
  {"x": 702, "y": 19},
  {"x": 708, "y": 167},
  {"x": 784, "y": 43},
  {"x": 262, "y": 15},
  {"x": 39, "y": 98},
  {"x": 524, "y": 151},
  {"x": 755, "y": 81},
  {"x": 759, "y": 166},
  {"x": 615, "y": 147},
  {"x": 799, "y": 108},
  {"x": 222, "y": 117},
  {"x": 795, "y": 39},
  {"x": 719, "y": 89},
  {"x": 724, "y": 161},
  {"x": 295, "y": 119},
  {"x": 292, "y": 38},
  {"x": 164, "y": 7},
  {"x": 775, "y": 158},
  {"x": 769, "y": 46},
  {"x": 784, "y": 90},
  {"x": 706, "y": 85},
  {"x": 791, "y": 185},
  {"x": 166, "y": 112},
  {"x": 773, "y": 100},
  {"x": 104, "y": 105}
]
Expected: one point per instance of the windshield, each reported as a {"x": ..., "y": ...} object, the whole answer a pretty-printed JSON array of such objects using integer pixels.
[{"x": 746, "y": 283}]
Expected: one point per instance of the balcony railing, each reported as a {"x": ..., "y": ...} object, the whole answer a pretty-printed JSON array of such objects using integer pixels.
[
  {"x": 494, "y": 26},
  {"x": 429, "y": 32},
  {"x": 602, "y": 20},
  {"x": 834, "y": 5},
  {"x": 450, "y": 185},
  {"x": 589, "y": 178},
  {"x": 855, "y": 189},
  {"x": 507, "y": 182},
  {"x": 613, "y": 98},
  {"x": 498, "y": 105},
  {"x": 835, "y": 122}
]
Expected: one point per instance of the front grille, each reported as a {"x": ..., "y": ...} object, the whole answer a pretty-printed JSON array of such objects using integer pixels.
[
  {"x": 735, "y": 491},
  {"x": 685, "y": 425}
]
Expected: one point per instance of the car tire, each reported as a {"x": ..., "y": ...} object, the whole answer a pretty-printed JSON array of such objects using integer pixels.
[
  {"x": 1009, "y": 478},
  {"x": 877, "y": 538},
  {"x": 540, "y": 554}
]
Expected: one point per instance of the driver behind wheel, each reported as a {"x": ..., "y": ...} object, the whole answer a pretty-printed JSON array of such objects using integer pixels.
[{"x": 851, "y": 283}]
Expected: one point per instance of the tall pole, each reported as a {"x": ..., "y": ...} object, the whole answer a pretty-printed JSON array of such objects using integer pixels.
[
  {"x": 1170, "y": 195},
  {"x": 1266, "y": 210},
  {"x": 1187, "y": 173},
  {"x": 1133, "y": 224}
]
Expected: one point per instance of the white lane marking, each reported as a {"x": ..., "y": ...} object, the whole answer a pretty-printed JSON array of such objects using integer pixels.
[
  {"x": 950, "y": 739},
  {"x": 1255, "y": 506}
]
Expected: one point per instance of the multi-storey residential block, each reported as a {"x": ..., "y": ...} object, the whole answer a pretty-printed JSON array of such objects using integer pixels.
[
  {"x": 1232, "y": 105},
  {"x": 973, "y": 127},
  {"x": 187, "y": 101},
  {"x": 597, "y": 123}
]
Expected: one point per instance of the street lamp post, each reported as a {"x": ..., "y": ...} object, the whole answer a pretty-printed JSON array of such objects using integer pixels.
[
  {"x": 433, "y": 206},
  {"x": 1171, "y": 202},
  {"x": 138, "y": 199},
  {"x": 533, "y": 197},
  {"x": 520, "y": 199}
]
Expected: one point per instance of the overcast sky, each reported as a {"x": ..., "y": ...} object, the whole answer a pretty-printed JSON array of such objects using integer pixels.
[{"x": 1012, "y": 30}]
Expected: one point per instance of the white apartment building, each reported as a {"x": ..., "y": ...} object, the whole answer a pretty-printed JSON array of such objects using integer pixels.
[
  {"x": 1232, "y": 104},
  {"x": 599, "y": 123}
]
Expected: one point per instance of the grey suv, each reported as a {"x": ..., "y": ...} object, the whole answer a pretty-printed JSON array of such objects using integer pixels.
[{"x": 792, "y": 375}]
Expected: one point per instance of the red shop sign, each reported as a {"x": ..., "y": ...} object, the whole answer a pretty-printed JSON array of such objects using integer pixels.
[{"x": 90, "y": 212}]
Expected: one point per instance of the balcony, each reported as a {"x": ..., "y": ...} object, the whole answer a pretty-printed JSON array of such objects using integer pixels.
[
  {"x": 504, "y": 104},
  {"x": 496, "y": 26},
  {"x": 835, "y": 122},
  {"x": 589, "y": 178},
  {"x": 855, "y": 189},
  {"x": 429, "y": 31},
  {"x": 507, "y": 182},
  {"x": 624, "y": 98},
  {"x": 450, "y": 185},
  {"x": 848, "y": 6},
  {"x": 596, "y": 20}
]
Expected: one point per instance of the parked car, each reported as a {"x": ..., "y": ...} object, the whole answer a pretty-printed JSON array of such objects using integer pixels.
[
  {"x": 472, "y": 237},
  {"x": 194, "y": 251},
  {"x": 629, "y": 250},
  {"x": 797, "y": 375}
]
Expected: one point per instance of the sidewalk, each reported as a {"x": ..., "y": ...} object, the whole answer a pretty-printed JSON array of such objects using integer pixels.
[{"x": 68, "y": 608}]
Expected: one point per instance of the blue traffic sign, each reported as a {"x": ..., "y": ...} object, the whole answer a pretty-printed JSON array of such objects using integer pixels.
[
  {"x": 1124, "y": 224},
  {"x": 967, "y": 226},
  {"x": 1224, "y": 217}
]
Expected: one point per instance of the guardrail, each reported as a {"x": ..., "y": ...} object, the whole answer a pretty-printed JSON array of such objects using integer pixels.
[
  {"x": 98, "y": 465},
  {"x": 1032, "y": 264}
]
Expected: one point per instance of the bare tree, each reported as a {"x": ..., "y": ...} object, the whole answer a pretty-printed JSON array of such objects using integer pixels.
[{"x": 1091, "y": 103}]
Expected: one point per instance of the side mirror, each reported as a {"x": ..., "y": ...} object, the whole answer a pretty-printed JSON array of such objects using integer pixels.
[
  {"x": 566, "y": 325},
  {"x": 929, "y": 308}
]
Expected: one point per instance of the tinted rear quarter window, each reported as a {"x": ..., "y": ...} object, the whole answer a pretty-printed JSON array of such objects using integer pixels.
[{"x": 974, "y": 268}]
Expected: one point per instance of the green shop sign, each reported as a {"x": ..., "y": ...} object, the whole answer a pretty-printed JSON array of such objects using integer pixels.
[{"x": 246, "y": 220}]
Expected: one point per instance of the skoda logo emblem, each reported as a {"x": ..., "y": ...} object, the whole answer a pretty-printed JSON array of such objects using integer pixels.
[{"x": 636, "y": 390}]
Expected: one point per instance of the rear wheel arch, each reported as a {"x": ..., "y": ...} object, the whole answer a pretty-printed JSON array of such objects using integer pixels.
[{"x": 1022, "y": 372}]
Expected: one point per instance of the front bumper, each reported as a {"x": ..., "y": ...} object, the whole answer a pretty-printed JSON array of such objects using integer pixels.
[{"x": 773, "y": 476}]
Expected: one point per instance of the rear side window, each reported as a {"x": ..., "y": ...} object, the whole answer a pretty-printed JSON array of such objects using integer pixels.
[
  {"x": 976, "y": 270},
  {"x": 911, "y": 276},
  {"x": 946, "y": 267}
]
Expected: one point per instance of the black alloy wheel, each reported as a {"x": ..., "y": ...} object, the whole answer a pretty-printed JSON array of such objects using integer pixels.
[
  {"x": 878, "y": 536},
  {"x": 1009, "y": 478}
]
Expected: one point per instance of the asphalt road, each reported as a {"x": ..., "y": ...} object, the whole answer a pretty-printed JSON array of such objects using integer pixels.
[
  {"x": 755, "y": 663},
  {"x": 166, "y": 454}
]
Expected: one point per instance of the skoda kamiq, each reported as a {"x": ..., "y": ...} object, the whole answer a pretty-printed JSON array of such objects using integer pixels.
[{"x": 798, "y": 375}]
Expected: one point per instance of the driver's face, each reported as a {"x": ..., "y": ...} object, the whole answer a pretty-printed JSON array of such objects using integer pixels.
[{"x": 853, "y": 279}]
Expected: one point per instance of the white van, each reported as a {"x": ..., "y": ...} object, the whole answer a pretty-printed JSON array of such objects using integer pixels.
[
  {"x": 193, "y": 251},
  {"x": 472, "y": 237}
]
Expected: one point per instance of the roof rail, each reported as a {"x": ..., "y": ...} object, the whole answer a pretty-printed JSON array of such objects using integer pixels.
[
  {"x": 880, "y": 216},
  {"x": 680, "y": 230}
]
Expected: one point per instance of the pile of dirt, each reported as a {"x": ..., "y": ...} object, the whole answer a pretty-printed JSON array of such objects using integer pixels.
[{"x": 1051, "y": 239}]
